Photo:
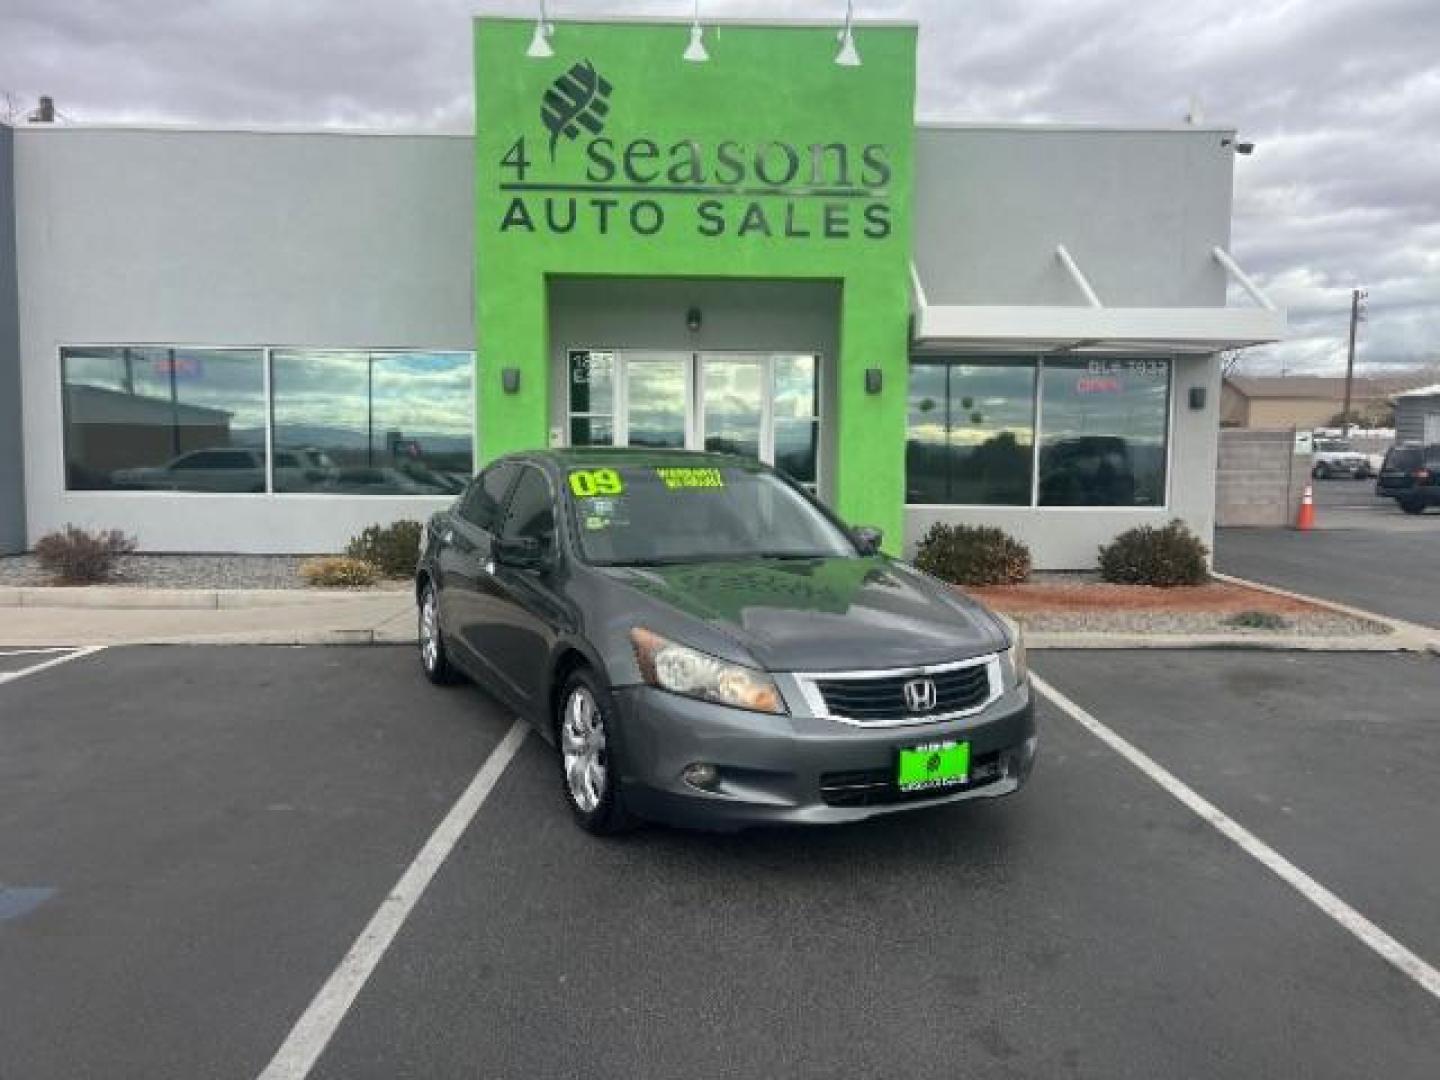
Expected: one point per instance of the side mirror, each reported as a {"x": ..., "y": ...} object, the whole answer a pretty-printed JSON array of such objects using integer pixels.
[
  {"x": 867, "y": 538},
  {"x": 519, "y": 553}
]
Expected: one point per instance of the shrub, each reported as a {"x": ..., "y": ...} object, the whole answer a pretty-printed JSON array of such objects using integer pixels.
[
  {"x": 392, "y": 549},
  {"x": 77, "y": 556},
  {"x": 1258, "y": 620},
  {"x": 1164, "y": 557},
  {"x": 338, "y": 572},
  {"x": 973, "y": 555}
]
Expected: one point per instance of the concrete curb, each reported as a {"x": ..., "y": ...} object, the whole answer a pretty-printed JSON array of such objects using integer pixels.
[
  {"x": 1407, "y": 635},
  {"x": 1258, "y": 642},
  {"x": 127, "y": 598}
]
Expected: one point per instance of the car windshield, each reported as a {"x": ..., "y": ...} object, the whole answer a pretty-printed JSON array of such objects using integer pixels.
[
  {"x": 650, "y": 515},
  {"x": 1404, "y": 457},
  {"x": 1333, "y": 446}
]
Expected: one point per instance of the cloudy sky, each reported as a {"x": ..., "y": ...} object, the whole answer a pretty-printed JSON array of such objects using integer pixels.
[{"x": 1342, "y": 98}]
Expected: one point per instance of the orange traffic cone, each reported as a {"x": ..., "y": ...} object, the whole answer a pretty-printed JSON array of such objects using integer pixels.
[{"x": 1305, "y": 520}]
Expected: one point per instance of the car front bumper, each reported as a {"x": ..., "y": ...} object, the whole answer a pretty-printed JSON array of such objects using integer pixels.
[{"x": 775, "y": 770}]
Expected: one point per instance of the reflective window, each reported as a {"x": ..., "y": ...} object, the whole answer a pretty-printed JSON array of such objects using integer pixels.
[
  {"x": 486, "y": 498},
  {"x": 971, "y": 433},
  {"x": 797, "y": 416},
  {"x": 159, "y": 419},
  {"x": 591, "y": 375},
  {"x": 532, "y": 513},
  {"x": 383, "y": 423},
  {"x": 1104, "y": 426}
]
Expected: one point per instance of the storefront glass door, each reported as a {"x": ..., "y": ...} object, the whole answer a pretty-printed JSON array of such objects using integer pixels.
[{"x": 760, "y": 405}]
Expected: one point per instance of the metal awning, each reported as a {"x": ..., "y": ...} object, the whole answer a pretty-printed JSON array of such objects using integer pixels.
[{"x": 1093, "y": 327}]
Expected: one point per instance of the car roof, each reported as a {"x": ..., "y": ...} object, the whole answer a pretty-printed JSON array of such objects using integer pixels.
[{"x": 633, "y": 457}]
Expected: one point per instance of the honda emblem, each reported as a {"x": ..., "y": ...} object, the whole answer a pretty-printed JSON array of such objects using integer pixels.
[{"x": 920, "y": 695}]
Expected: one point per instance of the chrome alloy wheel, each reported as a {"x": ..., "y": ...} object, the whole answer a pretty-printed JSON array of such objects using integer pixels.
[
  {"x": 429, "y": 631},
  {"x": 582, "y": 743}
]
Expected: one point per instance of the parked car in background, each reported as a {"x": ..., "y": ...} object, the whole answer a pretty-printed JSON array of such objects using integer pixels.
[
  {"x": 1411, "y": 476},
  {"x": 1336, "y": 457}
]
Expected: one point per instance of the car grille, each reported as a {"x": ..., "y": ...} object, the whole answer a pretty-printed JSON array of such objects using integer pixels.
[
  {"x": 877, "y": 787},
  {"x": 874, "y": 700}
]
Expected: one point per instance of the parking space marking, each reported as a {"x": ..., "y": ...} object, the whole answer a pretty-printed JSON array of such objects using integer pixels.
[
  {"x": 86, "y": 650},
  {"x": 50, "y": 649},
  {"x": 317, "y": 1025},
  {"x": 1410, "y": 964}
]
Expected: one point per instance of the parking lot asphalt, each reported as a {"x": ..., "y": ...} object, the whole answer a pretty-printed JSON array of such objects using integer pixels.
[
  {"x": 208, "y": 828},
  {"x": 1364, "y": 552},
  {"x": 218, "y": 824}
]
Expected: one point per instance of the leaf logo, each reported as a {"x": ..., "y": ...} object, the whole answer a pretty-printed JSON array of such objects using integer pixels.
[{"x": 579, "y": 98}]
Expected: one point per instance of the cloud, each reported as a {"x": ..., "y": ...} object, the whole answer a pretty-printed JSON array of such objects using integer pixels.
[{"x": 1342, "y": 98}]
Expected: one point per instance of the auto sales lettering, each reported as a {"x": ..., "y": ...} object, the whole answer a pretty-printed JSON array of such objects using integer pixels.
[{"x": 642, "y": 186}]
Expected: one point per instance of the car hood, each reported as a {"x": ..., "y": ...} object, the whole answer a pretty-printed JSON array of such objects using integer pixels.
[{"x": 819, "y": 614}]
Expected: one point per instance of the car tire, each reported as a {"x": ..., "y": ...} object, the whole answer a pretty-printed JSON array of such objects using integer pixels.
[
  {"x": 1412, "y": 506},
  {"x": 434, "y": 658},
  {"x": 589, "y": 778},
  {"x": 1321, "y": 472}
]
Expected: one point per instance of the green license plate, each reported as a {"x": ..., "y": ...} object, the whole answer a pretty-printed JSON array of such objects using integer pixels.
[{"x": 933, "y": 765}]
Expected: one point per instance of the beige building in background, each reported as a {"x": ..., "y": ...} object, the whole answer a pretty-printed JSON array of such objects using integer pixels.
[{"x": 1306, "y": 401}]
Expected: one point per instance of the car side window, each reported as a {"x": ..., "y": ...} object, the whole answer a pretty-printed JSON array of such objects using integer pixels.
[
  {"x": 486, "y": 497},
  {"x": 532, "y": 510}
]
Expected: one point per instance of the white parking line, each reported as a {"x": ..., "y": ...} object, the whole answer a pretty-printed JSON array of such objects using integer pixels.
[
  {"x": 11, "y": 676},
  {"x": 1358, "y": 925},
  {"x": 312, "y": 1032},
  {"x": 31, "y": 652}
]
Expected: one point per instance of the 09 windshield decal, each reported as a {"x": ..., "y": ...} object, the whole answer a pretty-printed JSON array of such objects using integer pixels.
[{"x": 588, "y": 483}]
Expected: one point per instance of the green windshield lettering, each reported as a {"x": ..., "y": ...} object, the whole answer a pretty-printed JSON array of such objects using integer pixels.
[{"x": 678, "y": 479}]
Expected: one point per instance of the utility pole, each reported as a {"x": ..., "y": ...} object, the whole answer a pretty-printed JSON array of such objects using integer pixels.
[{"x": 1356, "y": 296}]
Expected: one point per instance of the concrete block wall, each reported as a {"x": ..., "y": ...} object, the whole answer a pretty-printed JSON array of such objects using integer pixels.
[{"x": 1259, "y": 478}]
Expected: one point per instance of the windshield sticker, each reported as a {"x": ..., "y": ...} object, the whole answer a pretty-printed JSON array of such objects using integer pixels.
[
  {"x": 588, "y": 483},
  {"x": 604, "y": 513},
  {"x": 677, "y": 479}
]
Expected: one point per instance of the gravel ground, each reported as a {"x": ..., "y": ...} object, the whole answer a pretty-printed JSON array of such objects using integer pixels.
[
  {"x": 1308, "y": 624},
  {"x": 182, "y": 572}
]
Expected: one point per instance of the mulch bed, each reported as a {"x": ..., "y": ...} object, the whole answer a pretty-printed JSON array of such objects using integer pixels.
[{"x": 1056, "y": 605}]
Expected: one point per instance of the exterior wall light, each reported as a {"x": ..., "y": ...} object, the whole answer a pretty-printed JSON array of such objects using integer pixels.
[
  {"x": 692, "y": 320},
  {"x": 849, "y": 55},
  {"x": 874, "y": 380},
  {"x": 695, "y": 51},
  {"x": 510, "y": 380},
  {"x": 540, "y": 43}
]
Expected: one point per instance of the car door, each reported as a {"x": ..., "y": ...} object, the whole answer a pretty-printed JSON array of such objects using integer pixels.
[
  {"x": 525, "y": 611},
  {"x": 465, "y": 552}
]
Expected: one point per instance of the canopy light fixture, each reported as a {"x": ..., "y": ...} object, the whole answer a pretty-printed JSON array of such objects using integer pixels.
[
  {"x": 540, "y": 43},
  {"x": 848, "y": 56},
  {"x": 695, "y": 51}
]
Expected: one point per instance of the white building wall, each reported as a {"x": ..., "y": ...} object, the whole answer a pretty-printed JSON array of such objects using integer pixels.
[
  {"x": 135, "y": 236},
  {"x": 231, "y": 238},
  {"x": 1140, "y": 211}
]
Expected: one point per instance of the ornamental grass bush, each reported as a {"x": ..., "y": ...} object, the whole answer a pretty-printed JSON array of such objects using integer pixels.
[
  {"x": 338, "y": 572},
  {"x": 1163, "y": 557},
  {"x": 78, "y": 556},
  {"x": 392, "y": 549},
  {"x": 973, "y": 555}
]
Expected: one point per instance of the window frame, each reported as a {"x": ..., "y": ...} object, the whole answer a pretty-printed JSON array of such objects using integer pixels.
[
  {"x": 267, "y": 356},
  {"x": 1038, "y": 360}
]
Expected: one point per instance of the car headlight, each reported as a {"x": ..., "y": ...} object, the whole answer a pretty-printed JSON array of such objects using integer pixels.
[
  {"x": 1016, "y": 662},
  {"x": 682, "y": 670}
]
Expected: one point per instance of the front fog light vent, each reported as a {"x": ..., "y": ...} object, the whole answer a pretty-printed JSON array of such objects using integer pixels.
[{"x": 701, "y": 775}]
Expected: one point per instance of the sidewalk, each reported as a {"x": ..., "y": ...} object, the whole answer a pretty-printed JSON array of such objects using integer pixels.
[
  {"x": 109, "y": 615},
  {"x": 100, "y": 615}
]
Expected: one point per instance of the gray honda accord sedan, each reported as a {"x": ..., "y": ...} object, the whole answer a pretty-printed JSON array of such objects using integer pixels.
[{"x": 707, "y": 645}]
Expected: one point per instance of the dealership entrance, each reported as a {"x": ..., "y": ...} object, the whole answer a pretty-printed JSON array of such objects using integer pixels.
[{"x": 762, "y": 405}]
